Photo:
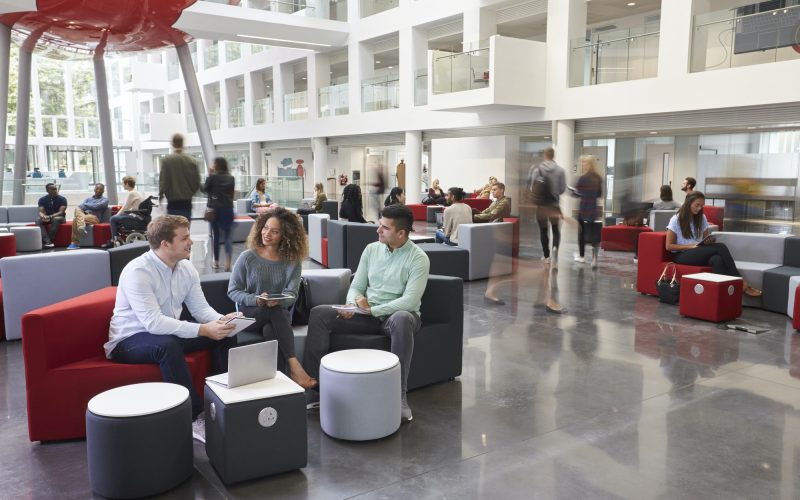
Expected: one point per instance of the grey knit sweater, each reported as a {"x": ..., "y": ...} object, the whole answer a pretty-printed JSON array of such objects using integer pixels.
[{"x": 253, "y": 275}]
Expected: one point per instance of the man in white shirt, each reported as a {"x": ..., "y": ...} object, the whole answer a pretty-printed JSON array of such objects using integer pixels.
[
  {"x": 132, "y": 203},
  {"x": 456, "y": 214},
  {"x": 146, "y": 328}
]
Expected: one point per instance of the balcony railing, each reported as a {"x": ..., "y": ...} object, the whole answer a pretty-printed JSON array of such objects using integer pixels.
[
  {"x": 211, "y": 55},
  {"x": 144, "y": 123},
  {"x": 722, "y": 39},
  {"x": 262, "y": 111},
  {"x": 334, "y": 100},
  {"x": 461, "y": 71},
  {"x": 421, "y": 87},
  {"x": 89, "y": 128},
  {"x": 213, "y": 119},
  {"x": 371, "y": 7},
  {"x": 280, "y": 6},
  {"x": 236, "y": 116},
  {"x": 295, "y": 106},
  {"x": 619, "y": 56},
  {"x": 380, "y": 93}
]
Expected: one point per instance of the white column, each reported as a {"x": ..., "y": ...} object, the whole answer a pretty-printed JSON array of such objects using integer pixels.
[
  {"x": 255, "y": 159},
  {"x": 360, "y": 66},
  {"x": 319, "y": 147},
  {"x": 413, "y": 161},
  {"x": 196, "y": 101},
  {"x": 566, "y": 21},
  {"x": 319, "y": 76},
  {"x": 224, "y": 104},
  {"x": 353, "y": 11},
  {"x": 23, "y": 112},
  {"x": 5, "y": 56},
  {"x": 674, "y": 46},
  {"x": 413, "y": 57},
  {"x": 282, "y": 84},
  {"x": 104, "y": 119},
  {"x": 564, "y": 145},
  {"x": 479, "y": 25}
]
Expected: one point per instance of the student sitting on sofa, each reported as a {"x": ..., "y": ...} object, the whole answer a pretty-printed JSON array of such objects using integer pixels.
[
  {"x": 457, "y": 213},
  {"x": 500, "y": 207},
  {"x": 688, "y": 238}
]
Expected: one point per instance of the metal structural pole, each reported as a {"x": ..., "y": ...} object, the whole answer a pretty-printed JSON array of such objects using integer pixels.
[
  {"x": 23, "y": 112},
  {"x": 196, "y": 103},
  {"x": 106, "y": 139},
  {"x": 5, "y": 57}
]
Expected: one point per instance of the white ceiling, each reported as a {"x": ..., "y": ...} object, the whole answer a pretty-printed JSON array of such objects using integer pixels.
[{"x": 599, "y": 11}]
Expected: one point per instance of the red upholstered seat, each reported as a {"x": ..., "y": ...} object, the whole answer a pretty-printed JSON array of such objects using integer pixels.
[
  {"x": 479, "y": 204},
  {"x": 653, "y": 257},
  {"x": 115, "y": 209},
  {"x": 715, "y": 215},
  {"x": 8, "y": 245},
  {"x": 65, "y": 365},
  {"x": 419, "y": 211},
  {"x": 796, "y": 318},
  {"x": 101, "y": 233},
  {"x": 324, "y": 252},
  {"x": 621, "y": 238}
]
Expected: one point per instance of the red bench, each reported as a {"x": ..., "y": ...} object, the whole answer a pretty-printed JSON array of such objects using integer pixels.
[{"x": 621, "y": 238}]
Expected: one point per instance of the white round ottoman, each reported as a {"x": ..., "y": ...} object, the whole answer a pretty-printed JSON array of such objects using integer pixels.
[
  {"x": 139, "y": 439},
  {"x": 29, "y": 238},
  {"x": 359, "y": 394}
]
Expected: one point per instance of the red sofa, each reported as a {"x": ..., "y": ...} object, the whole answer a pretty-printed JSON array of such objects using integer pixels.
[
  {"x": 479, "y": 204},
  {"x": 65, "y": 366},
  {"x": 653, "y": 257},
  {"x": 101, "y": 233},
  {"x": 419, "y": 211},
  {"x": 796, "y": 317},
  {"x": 715, "y": 215},
  {"x": 621, "y": 238}
]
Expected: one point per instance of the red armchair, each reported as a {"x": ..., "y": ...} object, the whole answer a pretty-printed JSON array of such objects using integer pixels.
[
  {"x": 653, "y": 257},
  {"x": 65, "y": 366},
  {"x": 419, "y": 211},
  {"x": 715, "y": 215},
  {"x": 621, "y": 238}
]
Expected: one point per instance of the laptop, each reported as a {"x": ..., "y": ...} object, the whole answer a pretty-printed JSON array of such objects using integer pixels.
[{"x": 249, "y": 364}]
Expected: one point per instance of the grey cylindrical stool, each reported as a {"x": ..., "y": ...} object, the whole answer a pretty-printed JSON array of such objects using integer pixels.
[
  {"x": 139, "y": 439},
  {"x": 359, "y": 394},
  {"x": 29, "y": 238}
]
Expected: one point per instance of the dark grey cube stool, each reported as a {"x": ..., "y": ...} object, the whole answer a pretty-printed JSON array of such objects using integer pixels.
[
  {"x": 256, "y": 430},
  {"x": 139, "y": 440},
  {"x": 359, "y": 395},
  {"x": 431, "y": 211},
  {"x": 446, "y": 260}
]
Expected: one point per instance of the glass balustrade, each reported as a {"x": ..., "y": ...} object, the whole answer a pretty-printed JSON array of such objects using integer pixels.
[
  {"x": 380, "y": 93},
  {"x": 300, "y": 8},
  {"x": 461, "y": 71},
  {"x": 262, "y": 111},
  {"x": 213, "y": 119},
  {"x": 614, "y": 56},
  {"x": 211, "y": 55},
  {"x": 236, "y": 116},
  {"x": 372, "y": 7},
  {"x": 421, "y": 87},
  {"x": 721, "y": 39},
  {"x": 334, "y": 100},
  {"x": 295, "y": 106},
  {"x": 285, "y": 191},
  {"x": 233, "y": 51},
  {"x": 144, "y": 123}
]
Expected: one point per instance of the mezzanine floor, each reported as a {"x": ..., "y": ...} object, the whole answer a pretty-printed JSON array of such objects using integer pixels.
[{"x": 618, "y": 398}]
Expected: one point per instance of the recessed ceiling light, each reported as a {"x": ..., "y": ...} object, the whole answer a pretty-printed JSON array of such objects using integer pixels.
[
  {"x": 304, "y": 78},
  {"x": 653, "y": 133},
  {"x": 390, "y": 67},
  {"x": 377, "y": 62},
  {"x": 751, "y": 128},
  {"x": 631, "y": 4}
]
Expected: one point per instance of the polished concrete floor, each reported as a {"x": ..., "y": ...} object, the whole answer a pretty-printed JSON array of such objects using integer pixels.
[{"x": 618, "y": 398}]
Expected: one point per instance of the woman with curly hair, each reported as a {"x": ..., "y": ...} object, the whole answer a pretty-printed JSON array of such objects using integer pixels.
[
  {"x": 272, "y": 263},
  {"x": 352, "y": 207}
]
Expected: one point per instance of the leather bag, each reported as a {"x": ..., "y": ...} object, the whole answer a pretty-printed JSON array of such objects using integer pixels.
[{"x": 669, "y": 289}]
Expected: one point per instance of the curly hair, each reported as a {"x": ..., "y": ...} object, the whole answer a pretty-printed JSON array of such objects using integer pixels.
[
  {"x": 294, "y": 242},
  {"x": 352, "y": 193}
]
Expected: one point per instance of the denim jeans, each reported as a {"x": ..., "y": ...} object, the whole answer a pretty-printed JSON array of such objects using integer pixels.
[
  {"x": 115, "y": 220},
  {"x": 441, "y": 238},
  {"x": 168, "y": 351},
  {"x": 221, "y": 231}
]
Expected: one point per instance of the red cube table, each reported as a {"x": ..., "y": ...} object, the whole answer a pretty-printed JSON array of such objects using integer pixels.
[
  {"x": 712, "y": 297},
  {"x": 796, "y": 318}
]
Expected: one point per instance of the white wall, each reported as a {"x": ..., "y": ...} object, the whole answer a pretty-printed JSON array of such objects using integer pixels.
[{"x": 468, "y": 162}]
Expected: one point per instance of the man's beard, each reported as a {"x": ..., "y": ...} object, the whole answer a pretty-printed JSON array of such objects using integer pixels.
[{"x": 684, "y": 188}]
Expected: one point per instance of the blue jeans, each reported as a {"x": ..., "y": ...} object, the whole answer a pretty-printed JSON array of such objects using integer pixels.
[
  {"x": 221, "y": 231},
  {"x": 115, "y": 220},
  {"x": 441, "y": 238},
  {"x": 168, "y": 352}
]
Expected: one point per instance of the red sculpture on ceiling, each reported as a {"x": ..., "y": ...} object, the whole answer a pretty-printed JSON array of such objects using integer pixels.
[{"x": 130, "y": 25}]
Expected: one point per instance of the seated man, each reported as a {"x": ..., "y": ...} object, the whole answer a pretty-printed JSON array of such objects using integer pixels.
[
  {"x": 457, "y": 213},
  {"x": 500, "y": 207},
  {"x": 146, "y": 328},
  {"x": 89, "y": 212},
  {"x": 132, "y": 203},
  {"x": 52, "y": 210},
  {"x": 388, "y": 285}
]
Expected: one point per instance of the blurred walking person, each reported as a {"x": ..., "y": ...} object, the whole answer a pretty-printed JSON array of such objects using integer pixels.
[{"x": 220, "y": 186}]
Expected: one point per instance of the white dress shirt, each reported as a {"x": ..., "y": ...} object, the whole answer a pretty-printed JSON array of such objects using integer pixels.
[{"x": 150, "y": 297}]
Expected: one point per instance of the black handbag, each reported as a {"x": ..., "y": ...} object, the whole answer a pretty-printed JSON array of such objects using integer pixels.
[
  {"x": 302, "y": 306},
  {"x": 669, "y": 290}
]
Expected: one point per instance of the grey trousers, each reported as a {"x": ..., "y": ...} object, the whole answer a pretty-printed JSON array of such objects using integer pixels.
[{"x": 400, "y": 327}]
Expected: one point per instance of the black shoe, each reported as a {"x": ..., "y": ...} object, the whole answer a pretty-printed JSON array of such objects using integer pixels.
[
  {"x": 494, "y": 302},
  {"x": 556, "y": 311}
]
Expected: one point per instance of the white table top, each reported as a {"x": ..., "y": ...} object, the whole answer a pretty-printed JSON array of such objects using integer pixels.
[
  {"x": 711, "y": 277},
  {"x": 136, "y": 400},
  {"x": 359, "y": 361},
  {"x": 281, "y": 385}
]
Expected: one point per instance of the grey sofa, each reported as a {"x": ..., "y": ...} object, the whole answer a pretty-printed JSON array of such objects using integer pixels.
[
  {"x": 346, "y": 242},
  {"x": 446, "y": 260},
  {"x": 776, "y": 280},
  {"x": 120, "y": 256},
  {"x": 659, "y": 219}
]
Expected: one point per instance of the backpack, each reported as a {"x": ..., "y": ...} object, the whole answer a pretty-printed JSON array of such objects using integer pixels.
[
  {"x": 302, "y": 306},
  {"x": 541, "y": 190}
]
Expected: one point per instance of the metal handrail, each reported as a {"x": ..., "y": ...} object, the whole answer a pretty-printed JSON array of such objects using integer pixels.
[
  {"x": 625, "y": 38},
  {"x": 736, "y": 18},
  {"x": 462, "y": 53}
]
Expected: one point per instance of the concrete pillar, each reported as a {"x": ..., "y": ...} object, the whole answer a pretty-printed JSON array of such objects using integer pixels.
[
  {"x": 249, "y": 99},
  {"x": 413, "y": 161},
  {"x": 413, "y": 57},
  {"x": 196, "y": 103},
  {"x": 23, "y": 112},
  {"x": 319, "y": 76},
  {"x": 360, "y": 66},
  {"x": 564, "y": 145},
  {"x": 319, "y": 148},
  {"x": 106, "y": 137},
  {"x": 5, "y": 56},
  {"x": 479, "y": 25},
  {"x": 283, "y": 85},
  {"x": 255, "y": 159}
]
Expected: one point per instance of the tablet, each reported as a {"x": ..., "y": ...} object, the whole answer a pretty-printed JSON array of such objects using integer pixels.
[
  {"x": 239, "y": 324},
  {"x": 276, "y": 296}
]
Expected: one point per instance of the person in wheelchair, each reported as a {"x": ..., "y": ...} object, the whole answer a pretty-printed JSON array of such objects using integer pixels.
[
  {"x": 133, "y": 226},
  {"x": 127, "y": 211}
]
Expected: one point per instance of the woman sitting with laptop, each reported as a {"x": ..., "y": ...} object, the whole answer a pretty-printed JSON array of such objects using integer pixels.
[{"x": 265, "y": 281}]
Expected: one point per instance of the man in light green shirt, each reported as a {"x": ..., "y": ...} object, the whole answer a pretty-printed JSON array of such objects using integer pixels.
[{"x": 387, "y": 288}]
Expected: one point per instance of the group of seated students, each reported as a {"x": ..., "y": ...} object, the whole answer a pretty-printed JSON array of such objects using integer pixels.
[
  {"x": 53, "y": 210},
  {"x": 146, "y": 326}
]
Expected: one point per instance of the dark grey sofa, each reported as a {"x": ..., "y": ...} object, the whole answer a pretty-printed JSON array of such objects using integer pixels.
[
  {"x": 346, "y": 242},
  {"x": 447, "y": 260},
  {"x": 120, "y": 256},
  {"x": 776, "y": 280}
]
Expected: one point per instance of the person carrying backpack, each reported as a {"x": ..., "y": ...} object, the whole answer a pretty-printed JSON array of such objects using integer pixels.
[{"x": 547, "y": 183}]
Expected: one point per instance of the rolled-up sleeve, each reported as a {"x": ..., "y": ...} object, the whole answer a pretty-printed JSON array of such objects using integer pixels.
[{"x": 196, "y": 302}]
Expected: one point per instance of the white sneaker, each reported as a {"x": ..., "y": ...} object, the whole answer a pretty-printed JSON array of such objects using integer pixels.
[
  {"x": 199, "y": 428},
  {"x": 546, "y": 260},
  {"x": 405, "y": 411},
  {"x": 635, "y": 260},
  {"x": 48, "y": 245},
  {"x": 580, "y": 259}
]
